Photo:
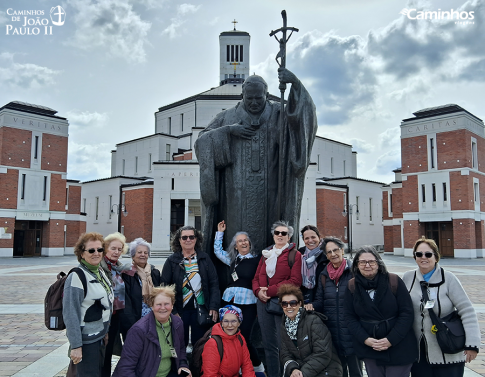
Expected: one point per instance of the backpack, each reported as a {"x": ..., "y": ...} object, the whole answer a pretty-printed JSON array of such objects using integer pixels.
[
  {"x": 199, "y": 348},
  {"x": 53, "y": 300},
  {"x": 393, "y": 282}
]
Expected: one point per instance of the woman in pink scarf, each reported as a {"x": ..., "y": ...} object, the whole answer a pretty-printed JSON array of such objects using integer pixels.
[{"x": 329, "y": 300}]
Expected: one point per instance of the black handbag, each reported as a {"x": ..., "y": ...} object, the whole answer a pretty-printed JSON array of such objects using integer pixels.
[
  {"x": 273, "y": 306},
  {"x": 203, "y": 316},
  {"x": 449, "y": 330}
]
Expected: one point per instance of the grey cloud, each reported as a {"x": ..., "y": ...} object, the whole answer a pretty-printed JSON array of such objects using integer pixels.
[
  {"x": 360, "y": 146},
  {"x": 337, "y": 73},
  {"x": 406, "y": 47},
  {"x": 113, "y": 26},
  {"x": 387, "y": 162},
  {"x": 390, "y": 138},
  {"x": 25, "y": 76},
  {"x": 176, "y": 22},
  {"x": 88, "y": 160}
]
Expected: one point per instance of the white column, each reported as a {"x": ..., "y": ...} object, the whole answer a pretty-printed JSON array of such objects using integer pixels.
[{"x": 186, "y": 214}]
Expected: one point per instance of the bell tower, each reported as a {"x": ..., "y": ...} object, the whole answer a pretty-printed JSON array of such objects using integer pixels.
[{"x": 234, "y": 55}]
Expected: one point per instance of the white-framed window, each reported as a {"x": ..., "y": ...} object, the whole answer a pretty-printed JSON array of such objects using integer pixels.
[
  {"x": 433, "y": 191},
  {"x": 44, "y": 195},
  {"x": 476, "y": 193},
  {"x": 445, "y": 193},
  {"x": 474, "y": 154},
  {"x": 22, "y": 188},
  {"x": 423, "y": 193},
  {"x": 432, "y": 153},
  {"x": 167, "y": 152}
]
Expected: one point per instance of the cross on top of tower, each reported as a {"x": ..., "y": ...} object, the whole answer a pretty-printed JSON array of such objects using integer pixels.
[{"x": 234, "y": 22}]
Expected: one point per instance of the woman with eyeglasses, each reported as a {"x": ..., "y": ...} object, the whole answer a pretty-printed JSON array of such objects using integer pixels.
[
  {"x": 139, "y": 283},
  {"x": 280, "y": 264},
  {"x": 87, "y": 305},
  {"x": 329, "y": 300},
  {"x": 313, "y": 261},
  {"x": 306, "y": 344},
  {"x": 243, "y": 262},
  {"x": 195, "y": 279},
  {"x": 236, "y": 360},
  {"x": 155, "y": 344},
  {"x": 445, "y": 294},
  {"x": 379, "y": 313}
]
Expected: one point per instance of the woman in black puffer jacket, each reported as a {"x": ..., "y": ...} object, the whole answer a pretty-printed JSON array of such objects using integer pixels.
[
  {"x": 329, "y": 300},
  {"x": 306, "y": 344}
]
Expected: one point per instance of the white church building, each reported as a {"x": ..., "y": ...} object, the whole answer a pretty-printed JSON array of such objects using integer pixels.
[{"x": 154, "y": 183}]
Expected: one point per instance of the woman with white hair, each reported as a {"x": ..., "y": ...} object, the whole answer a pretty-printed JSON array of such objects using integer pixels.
[
  {"x": 114, "y": 247},
  {"x": 139, "y": 282},
  {"x": 242, "y": 261},
  {"x": 280, "y": 264}
]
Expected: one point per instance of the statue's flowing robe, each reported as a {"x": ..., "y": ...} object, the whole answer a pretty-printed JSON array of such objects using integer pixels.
[{"x": 239, "y": 177}]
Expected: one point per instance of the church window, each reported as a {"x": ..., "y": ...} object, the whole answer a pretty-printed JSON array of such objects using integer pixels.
[
  {"x": 370, "y": 209},
  {"x": 136, "y": 164},
  {"x": 232, "y": 53},
  {"x": 123, "y": 167},
  {"x": 228, "y": 53},
  {"x": 241, "y": 53},
  {"x": 182, "y": 122},
  {"x": 97, "y": 207},
  {"x": 169, "y": 125},
  {"x": 237, "y": 53}
]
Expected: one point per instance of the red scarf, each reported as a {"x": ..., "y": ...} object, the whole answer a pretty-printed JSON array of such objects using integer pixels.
[{"x": 336, "y": 273}]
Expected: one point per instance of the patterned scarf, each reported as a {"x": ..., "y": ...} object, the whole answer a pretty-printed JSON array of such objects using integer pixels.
[
  {"x": 309, "y": 267},
  {"x": 118, "y": 283},
  {"x": 145, "y": 275},
  {"x": 336, "y": 273},
  {"x": 291, "y": 326}
]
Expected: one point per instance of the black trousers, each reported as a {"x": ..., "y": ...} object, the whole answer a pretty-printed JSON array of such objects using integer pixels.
[
  {"x": 250, "y": 314},
  {"x": 113, "y": 333},
  {"x": 92, "y": 361},
  {"x": 423, "y": 369},
  {"x": 189, "y": 318},
  {"x": 351, "y": 365}
]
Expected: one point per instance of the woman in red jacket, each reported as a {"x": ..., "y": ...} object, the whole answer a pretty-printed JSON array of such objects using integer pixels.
[
  {"x": 280, "y": 264},
  {"x": 236, "y": 354}
]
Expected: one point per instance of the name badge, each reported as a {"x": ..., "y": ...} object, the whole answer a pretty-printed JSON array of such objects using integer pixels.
[
  {"x": 173, "y": 352},
  {"x": 234, "y": 276},
  {"x": 429, "y": 304}
]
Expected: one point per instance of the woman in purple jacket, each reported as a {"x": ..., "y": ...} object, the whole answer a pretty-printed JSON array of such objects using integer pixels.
[{"x": 155, "y": 344}]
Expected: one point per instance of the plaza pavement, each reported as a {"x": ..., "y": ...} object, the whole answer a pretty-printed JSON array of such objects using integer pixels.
[{"x": 28, "y": 349}]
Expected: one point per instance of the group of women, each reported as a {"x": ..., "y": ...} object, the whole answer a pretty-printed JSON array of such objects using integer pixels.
[{"x": 320, "y": 314}]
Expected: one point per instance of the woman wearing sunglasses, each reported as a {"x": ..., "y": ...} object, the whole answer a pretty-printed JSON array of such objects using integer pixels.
[
  {"x": 445, "y": 293},
  {"x": 139, "y": 283},
  {"x": 236, "y": 360},
  {"x": 195, "y": 278},
  {"x": 87, "y": 312},
  {"x": 379, "y": 313},
  {"x": 280, "y": 264},
  {"x": 306, "y": 344}
]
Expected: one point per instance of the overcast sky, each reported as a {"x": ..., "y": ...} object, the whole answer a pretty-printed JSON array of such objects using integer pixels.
[{"x": 115, "y": 62}]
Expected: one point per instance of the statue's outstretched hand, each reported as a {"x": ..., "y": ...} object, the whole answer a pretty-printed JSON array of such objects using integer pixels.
[
  {"x": 242, "y": 131},
  {"x": 286, "y": 76}
]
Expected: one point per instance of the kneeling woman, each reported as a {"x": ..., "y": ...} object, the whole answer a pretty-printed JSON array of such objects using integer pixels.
[
  {"x": 155, "y": 344},
  {"x": 306, "y": 344},
  {"x": 236, "y": 354}
]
